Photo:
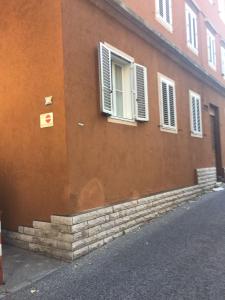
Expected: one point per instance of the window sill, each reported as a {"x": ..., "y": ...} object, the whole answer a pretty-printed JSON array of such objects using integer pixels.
[
  {"x": 196, "y": 135},
  {"x": 168, "y": 26},
  {"x": 194, "y": 50},
  {"x": 121, "y": 121},
  {"x": 212, "y": 66},
  {"x": 168, "y": 129}
]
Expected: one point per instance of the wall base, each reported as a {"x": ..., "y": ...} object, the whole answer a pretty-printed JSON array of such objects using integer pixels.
[{"x": 68, "y": 238}]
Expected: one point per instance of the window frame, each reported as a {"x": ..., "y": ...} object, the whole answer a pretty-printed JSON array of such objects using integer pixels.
[
  {"x": 195, "y": 133},
  {"x": 137, "y": 86},
  {"x": 162, "y": 19},
  {"x": 211, "y": 48},
  {"x": 222, "y": 54},
  {"x": 129, "y": 60},
  {"x": 125, "y": 101},
  {"x": 190, "y": 29},
  {"x": 169, "y": 82}
]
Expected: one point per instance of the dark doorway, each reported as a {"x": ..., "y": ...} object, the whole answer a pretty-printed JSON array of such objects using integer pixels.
[{"x": 216, "y": 145}]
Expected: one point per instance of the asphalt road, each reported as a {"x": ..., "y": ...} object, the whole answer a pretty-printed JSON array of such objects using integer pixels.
[{"x": 178, "y": 256}]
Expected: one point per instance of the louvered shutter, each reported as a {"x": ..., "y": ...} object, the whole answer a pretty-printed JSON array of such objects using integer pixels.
[
  {"x": 141, "y": 91},
  {"x": 165, "y": 104},
  {"x": 172, "y": 106},
  {"x": 105, "y": 79},
  {"x": 198, "y": 113},
  {"x": 194, "y": 115}
]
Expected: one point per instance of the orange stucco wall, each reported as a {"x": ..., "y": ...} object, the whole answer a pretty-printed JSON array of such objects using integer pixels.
[
  {"x": 32, "y": 160},
  {"x": 113, "y": 162}
]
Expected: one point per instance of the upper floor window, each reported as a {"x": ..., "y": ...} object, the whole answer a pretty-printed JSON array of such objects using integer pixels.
[
  {"x": 124, "y": 89},
  {"x": 211, "y": 44},
  {"x": 167, "y": 97},
  {"x": 192, "y": 29},
  {"x": 195, "y": 113},
  {"x": 164, "y": 13},
  {"x": 223, "y": 61},
  {"x": 221, "y": 7}
]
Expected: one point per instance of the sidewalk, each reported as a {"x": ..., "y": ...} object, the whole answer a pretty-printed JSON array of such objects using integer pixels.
[{"x": 22, "y": 268}]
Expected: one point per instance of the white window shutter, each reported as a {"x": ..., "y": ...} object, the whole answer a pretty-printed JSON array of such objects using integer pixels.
[
  {"x": 194, "y": 114},
  {"x": 164, "y": 91},
  {"x": 198, "y": 112},
  {"x": 105, "y": 79},
  {"x": 172, "y": 106},
  {"x": 141, "y": 91}
]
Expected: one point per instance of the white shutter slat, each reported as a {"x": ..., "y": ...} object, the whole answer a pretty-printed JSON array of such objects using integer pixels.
[
  {"x": 141, "y": 88},
  {"x": 105, "y": 79}
]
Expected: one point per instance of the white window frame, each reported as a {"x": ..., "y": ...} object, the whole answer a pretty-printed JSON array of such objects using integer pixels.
[
  {"x": 129, "y": 60},
  {"x": 191, "y": 31},
  {"x": 163, "y": 126},
  {"x": 222, "y": 53},
  {"x": 211, "y": 46},
  {"x": 163, "y": 19},
  {"x": 138, "y": 101},
  {"x": 195, "y": 133},
  {"x": 128, "y": 103}
]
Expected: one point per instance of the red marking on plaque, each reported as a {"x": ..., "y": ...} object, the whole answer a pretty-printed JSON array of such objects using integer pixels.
[{"x": 48, "y": 119}]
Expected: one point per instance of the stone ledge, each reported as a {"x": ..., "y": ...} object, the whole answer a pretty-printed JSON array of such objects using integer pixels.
[{"x": 73, "y": 236}]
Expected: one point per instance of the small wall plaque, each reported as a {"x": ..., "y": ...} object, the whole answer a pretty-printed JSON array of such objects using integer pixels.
[{"x": 46, "y": 120}]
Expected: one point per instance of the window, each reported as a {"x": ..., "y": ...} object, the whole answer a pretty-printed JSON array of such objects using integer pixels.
[
  {"x": 223, "y": 61},
  {"x": 221, "y": 7},
  {"x": 191, "y": 28},
  {"x": 211, "y": 44},
  {"x": 164, "y": 13},
  {"x": 124, "y": 93},
  {"x": 168, "y": 118},
  {"x": 196, "y": 115}
]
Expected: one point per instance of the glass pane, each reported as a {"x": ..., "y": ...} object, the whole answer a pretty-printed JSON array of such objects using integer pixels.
[
  {"x": 119, "y": 104},
  {"x": 118, "y": 76},
  {"x": 118, "y": 91}
]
